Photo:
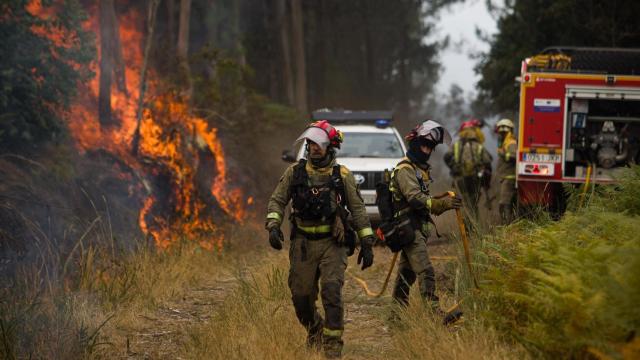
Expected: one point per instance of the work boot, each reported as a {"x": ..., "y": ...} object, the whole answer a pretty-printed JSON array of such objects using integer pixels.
[
  {"x": 332, "y": 343},
  {"x": 449, "y": 317},
  {"x": 314, "y": 337},
  {"x": 452, "y": 317}
]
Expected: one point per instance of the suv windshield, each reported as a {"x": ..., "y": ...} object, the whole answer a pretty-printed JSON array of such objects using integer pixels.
[{"x": 373, "y": 145}]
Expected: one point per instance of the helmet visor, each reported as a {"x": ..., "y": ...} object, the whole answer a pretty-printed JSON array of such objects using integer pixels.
[
  {"x": 317, "y": 135},
  {"x": 433, "y": 131}
]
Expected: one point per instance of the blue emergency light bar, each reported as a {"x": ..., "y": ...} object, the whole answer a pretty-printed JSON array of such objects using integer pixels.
[{"x": 380, "y": 118}]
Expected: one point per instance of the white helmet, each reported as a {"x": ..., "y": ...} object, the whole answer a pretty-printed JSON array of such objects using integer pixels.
[
  {"x": 504, "y": 123},
  {"x": 430, "y": 131}
]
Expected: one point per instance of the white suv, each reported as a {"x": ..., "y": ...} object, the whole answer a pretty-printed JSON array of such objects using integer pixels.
[{"x": 370, "y": 146}]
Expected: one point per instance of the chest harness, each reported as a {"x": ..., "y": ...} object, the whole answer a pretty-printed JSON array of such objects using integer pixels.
[
  {"x": 313, "y": 203},
  {"x": 402, "y": 208}
]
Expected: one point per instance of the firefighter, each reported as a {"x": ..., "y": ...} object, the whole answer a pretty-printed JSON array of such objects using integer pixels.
[
  {"x": 506, "y": 169},
  {"x": 410, "y": 188},
  {"x": 321, "y": 193},
  {"x": 470, "y": 164}
]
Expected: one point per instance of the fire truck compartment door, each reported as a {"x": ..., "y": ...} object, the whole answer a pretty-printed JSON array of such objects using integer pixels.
[{"x": 612, "y": 93}]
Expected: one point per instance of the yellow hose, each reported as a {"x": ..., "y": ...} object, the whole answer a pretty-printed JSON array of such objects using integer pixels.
[
  {"x": 363, "y": 283},
  {"x": 465, "y": 242},
  {"x": 587, "y": 181},
  {"x": 467, "y": 254}
]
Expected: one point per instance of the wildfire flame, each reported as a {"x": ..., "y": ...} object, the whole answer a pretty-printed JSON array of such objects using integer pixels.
[{"x": 172, "y": 143}]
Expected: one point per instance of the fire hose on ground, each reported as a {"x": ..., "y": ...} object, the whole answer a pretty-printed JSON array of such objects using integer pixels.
[{"x": 452, "y": 312}]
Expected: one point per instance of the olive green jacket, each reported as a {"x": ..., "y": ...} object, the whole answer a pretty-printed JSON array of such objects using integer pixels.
[
  {"x": 318, "y": 176},
  {"x": 407, "y": 192}
]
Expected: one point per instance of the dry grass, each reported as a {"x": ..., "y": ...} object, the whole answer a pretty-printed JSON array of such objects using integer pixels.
[
  {"x": 84, "y": 304},
  {"x": 92, "y": 304},
  {"x": 422, "y": 336},
  {"x": 257, "y": 321}
]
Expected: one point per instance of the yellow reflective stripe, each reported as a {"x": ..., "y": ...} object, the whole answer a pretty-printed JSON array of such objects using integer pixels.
[
  {"x": 320, "y": 229},
  {"x": 274, "y": 216},
  {"x": 509, "y": 177},
  {"x": 506, "y": 156},
  {"x": 331, "y": 332},
  {"x": 402, "y": 212},
  {"x": 429, "y": 203},
  {"x": 456, "y": 152},
  {"x": 365, "y": 232}
]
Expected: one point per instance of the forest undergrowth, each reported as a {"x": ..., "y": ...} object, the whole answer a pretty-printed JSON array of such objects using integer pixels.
[{"x": 552, "y": 289}]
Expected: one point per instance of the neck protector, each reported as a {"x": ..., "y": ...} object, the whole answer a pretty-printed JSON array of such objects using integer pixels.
[{"x": 415, "y": 154}]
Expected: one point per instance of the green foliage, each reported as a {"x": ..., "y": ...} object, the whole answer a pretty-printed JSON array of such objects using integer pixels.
[
  {"x": 626, "y": 195},
  {"x": 569, "y": 286},
  {"x": 526, "y": 27},
  {"x": 43, "y": 58}
]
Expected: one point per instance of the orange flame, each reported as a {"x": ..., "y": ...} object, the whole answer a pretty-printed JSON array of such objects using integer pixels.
[{"x": 172, "y": 142}]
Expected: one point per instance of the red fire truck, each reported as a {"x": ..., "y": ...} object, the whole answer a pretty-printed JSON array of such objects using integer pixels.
[{"x": 579, "y": 120}]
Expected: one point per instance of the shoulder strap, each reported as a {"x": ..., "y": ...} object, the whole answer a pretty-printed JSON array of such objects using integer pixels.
[
  {"x": 406, "y": 163},
  {"x": 338, "y": 183},
  {"x": 478, "y": 156},
  {"x": 300, "y": 173}
]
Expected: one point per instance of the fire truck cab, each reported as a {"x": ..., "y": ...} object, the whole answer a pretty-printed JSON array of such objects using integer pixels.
[{"x": 579, "y": 120}]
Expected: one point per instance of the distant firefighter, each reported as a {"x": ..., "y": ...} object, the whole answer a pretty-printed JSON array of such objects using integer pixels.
[
  {"x": 470, "y": 164},
  {"x": 506, "y": 170}
]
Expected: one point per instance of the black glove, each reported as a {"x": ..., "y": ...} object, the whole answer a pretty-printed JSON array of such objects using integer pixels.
[
  {"x": 452, "y": 202},
  {"x": 276, "y": 238},
  {"x": 365, "y": 256}
]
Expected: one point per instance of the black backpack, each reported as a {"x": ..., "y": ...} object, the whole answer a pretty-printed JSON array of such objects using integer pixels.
[{"x": 397, "y": 231}]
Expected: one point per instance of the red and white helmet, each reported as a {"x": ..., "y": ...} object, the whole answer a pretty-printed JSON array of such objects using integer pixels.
[
  {"x": 470, "y": 123},
  {"x": 430, "y": 131},
  {"x": 323, "y": 134}
]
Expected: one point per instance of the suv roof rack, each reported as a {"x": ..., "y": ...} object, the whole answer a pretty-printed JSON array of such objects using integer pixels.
[{"x": 352, "y": 115}]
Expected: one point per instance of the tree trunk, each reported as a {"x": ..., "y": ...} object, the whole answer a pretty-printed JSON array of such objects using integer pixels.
[
  {"x": 183, "y": 46},
  {"x": 317, "y": 70},
  {"x": 118, "y": 60},
  {"x": 298, "y": 56},
  {"x": 272, "y": 29},
  {"x": 239, "y": 54},
  {"x": 285, "y": 50},
  {"x": 237, "y": 43},
  {"x": 212, "y": 37},
  {"x": 369, "y": 57},
  {"x": 107, "y": 14},
  {"x": 151, "y": 23},
  {"x": 171, "y": 25}
]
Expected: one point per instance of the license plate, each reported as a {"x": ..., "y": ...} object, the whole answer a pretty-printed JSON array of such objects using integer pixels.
[
  {"x": 369, "y": 198},
  {"x": 545, "y": 158}
]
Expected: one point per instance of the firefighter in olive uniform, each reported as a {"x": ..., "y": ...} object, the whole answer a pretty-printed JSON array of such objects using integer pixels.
[
  {"x": 506, "y": 169},
  {"x": 323, "y": 194},
  {"x": 470, "y": 164},
  {"x": 411, "y": 198}
]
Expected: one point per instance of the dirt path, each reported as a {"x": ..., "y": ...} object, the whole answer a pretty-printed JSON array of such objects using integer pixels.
[{"x": 163, "y": 332}]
